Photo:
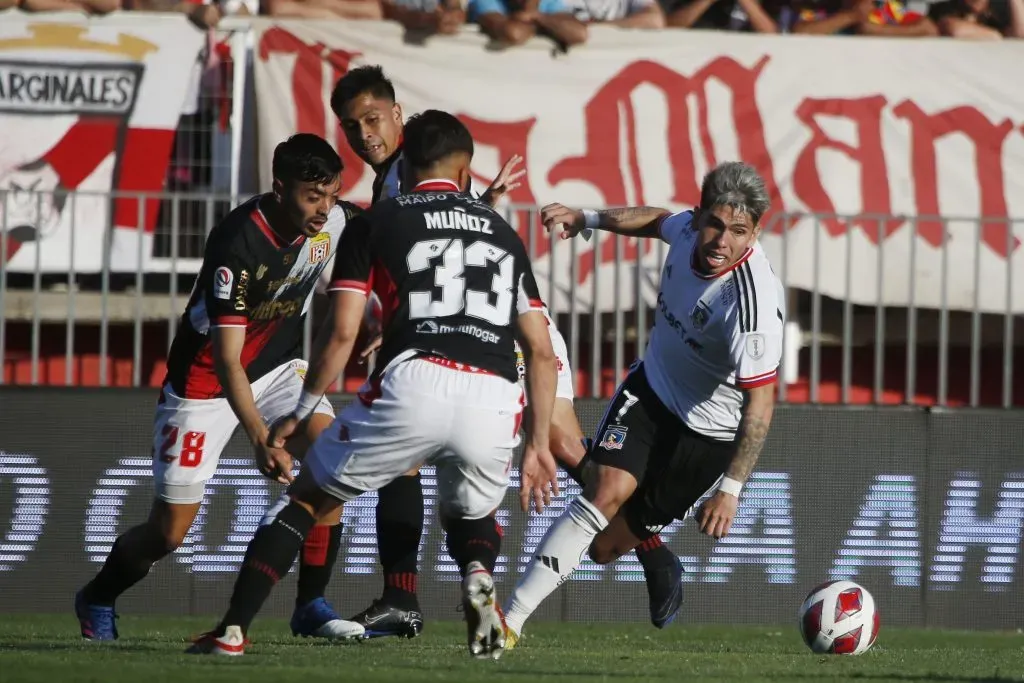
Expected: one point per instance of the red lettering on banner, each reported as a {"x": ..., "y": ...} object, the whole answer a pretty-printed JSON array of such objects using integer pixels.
[
  {"x": 988, "y": 139},
  {"x": 866, "y": 114},
  {"x": 601, "y": 163},
  {"x": 312, "y": 114}
]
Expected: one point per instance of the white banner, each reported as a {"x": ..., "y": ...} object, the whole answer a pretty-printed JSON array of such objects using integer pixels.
[
  {"x": 88, "y": 107},
  {"x": 837, "y": 126}
]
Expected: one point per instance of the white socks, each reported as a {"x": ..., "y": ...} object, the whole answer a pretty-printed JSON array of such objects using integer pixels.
[{"x": 556, "y": 557}]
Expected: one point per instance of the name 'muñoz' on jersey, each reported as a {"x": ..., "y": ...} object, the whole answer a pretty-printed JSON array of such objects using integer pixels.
[
  {"x": 450, "y": 273},
  {"x": 251, "y": 277},
  {"x": 713, "y": 336}
]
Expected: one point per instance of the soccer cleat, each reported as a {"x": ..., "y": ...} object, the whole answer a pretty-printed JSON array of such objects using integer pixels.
[
  {"x": 231, "y": 643},
  {"x": 484, "y": 620},
  {"x": 665, "y": 592},
  {"x": 318, "y": 619},
  {"x": 96, "y": 621},
  {"x": 511, "y": 638},
  {"x": 381, "y": 619}
]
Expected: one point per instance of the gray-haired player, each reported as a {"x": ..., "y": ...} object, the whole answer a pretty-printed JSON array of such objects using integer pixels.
[{"x": 692, "y": 417}]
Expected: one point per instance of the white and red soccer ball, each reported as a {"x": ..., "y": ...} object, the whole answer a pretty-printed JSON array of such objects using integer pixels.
[{"x": 839, "y": 618}]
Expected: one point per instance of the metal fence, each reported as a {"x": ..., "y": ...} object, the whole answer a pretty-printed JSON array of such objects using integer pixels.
[{"x": 846, "y": 339}]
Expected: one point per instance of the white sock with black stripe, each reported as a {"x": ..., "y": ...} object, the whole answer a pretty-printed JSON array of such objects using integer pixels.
[{"x": 557, "y": 556}]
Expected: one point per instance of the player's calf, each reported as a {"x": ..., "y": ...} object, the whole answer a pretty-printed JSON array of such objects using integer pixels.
[{"x": 129, "y": 561}]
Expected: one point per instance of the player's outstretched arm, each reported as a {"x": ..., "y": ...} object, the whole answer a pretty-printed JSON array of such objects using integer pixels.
[
  {"x": 634, "y": 221},
  {"x": 332, "y": 347},
  {"x": 538, "y": 473},
  {"x": 227, "y": 363}
]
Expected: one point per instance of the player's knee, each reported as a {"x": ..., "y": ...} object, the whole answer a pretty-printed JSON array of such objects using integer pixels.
[
  {"x": 566, "y": 448},
  {"x": 465, "y": 508},
  {"x": 603, "y": 550},
  {"x": 608, "y": 489}
]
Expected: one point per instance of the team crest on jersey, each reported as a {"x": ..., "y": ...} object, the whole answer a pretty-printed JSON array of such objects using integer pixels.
[
  {"x": 755, "y": 345},
  {"x": 613, "y": 438},
  {"x": 520, "y": 362},
  {"x": 319, "y": 248},
  {"x": 700, "y": 315}
]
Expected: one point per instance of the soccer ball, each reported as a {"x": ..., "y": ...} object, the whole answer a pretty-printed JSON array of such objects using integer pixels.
[{"x": 839, "y": 618}]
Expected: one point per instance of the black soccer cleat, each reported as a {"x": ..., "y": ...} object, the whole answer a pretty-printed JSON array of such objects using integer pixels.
[
  {"x": 665, "y": 592},
  {"x": 381, "y": 619}
]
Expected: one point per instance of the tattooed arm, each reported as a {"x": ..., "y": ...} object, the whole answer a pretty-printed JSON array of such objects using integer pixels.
[
  {"x": 753, "y": 430},
  {"x": 716, "y": 514},
  {"x": 634, "y": 221}
]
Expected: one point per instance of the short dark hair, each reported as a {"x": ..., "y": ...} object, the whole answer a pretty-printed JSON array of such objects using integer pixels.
[
  {"x": 359, "y": 81},
  {"x": 432, "y": 136},
  {"x": 306, "y": 158}
]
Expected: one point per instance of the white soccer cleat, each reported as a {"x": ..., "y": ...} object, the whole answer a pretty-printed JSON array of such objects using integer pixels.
[
  {"x": 484, "y": 620},
  {"x": 339, "y": 629},
  {"x": 231, "y": 644}
]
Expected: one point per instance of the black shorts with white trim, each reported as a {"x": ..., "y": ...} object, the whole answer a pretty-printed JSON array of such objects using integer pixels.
[{"x": 674, "y": 466}]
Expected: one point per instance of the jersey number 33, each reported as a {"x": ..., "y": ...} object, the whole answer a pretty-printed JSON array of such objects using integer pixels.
[{"x": 458, "y": 296}]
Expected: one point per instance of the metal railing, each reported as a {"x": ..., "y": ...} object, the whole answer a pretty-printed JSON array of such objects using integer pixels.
[{"x": 893, "y": 324}]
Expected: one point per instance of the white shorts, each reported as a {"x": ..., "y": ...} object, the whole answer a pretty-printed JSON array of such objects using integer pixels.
[
  {"x": 425, "y": 412},
  {"x": 189, "y": 434},
  {"x": 564, "y": 388}
]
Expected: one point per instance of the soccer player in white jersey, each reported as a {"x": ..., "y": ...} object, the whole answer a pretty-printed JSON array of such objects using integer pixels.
[{"x": 692, "y": 416}]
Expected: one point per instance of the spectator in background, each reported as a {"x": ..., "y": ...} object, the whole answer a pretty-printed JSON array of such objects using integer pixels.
[
  {"x": 864, "y": 17},
  {"x": 203, "y": 15},
  {"x": 979, "y": 19},
  {"x": 87, "y": 6},
  {"x": 513, "y": 22},
  {"x": 735, "y": 15},
  {"x": 324, "y": 9},
  {"x": 443, "y": 17},
  {"x": 624, "y": 13}
]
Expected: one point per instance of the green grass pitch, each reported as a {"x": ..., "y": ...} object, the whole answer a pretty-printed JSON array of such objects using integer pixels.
[{"x": 48, "y": 648}]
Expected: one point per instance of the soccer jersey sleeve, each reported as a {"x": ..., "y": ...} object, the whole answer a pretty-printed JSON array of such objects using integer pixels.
[
  {"x": 527, "y": 293},
  {"x": 672, "y": 226},
  {"x": 755, "y": 326},
  {"x": 352, "y": 263},
  {"x": 229, "y": 269}
]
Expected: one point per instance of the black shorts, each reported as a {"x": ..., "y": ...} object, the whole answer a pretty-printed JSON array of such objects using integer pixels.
[{"x": 674, "y": 466}]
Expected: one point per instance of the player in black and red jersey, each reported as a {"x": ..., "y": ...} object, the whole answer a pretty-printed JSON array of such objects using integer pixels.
[
  {"x": 445, "y": 391},
  {"x": 236, "y": 360},
  {"x": 364, "y": 102}
]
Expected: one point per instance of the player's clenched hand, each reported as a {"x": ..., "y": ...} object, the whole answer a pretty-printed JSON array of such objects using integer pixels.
[
  {"x": 558, "y": 217},
  {"x": 538, "y": 476},
  {"x": 273, "y": 462},
  {"x": 506, "y": 181},
  {"x": 281, "y": 430},
  {"x": 716, "y": 514}
]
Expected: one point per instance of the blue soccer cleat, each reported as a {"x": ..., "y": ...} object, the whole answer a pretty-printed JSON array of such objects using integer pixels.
[
  {"x": 318, "y": 619},
  {"x": 96, "y": 621},
  {"x": 665, "y": 592}
]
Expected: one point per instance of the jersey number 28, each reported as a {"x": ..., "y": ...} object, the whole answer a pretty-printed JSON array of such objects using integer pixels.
[{"x": 449, "y": 274}]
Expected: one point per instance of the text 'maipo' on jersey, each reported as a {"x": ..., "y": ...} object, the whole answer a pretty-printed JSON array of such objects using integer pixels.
[
  {"x": 714, "y": 335},
  {"x": 251, "y": 277},
  {"x": 450, "y": 273}
]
